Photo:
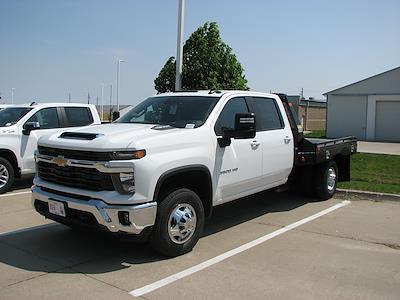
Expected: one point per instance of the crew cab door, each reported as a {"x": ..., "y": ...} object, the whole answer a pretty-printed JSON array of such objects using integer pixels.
[
  {"x": 238, "y": 167},
  {"x": 52, "y": 120},
  {"x": 274, "y": 132},
  {"x": 49, "y": 120}
]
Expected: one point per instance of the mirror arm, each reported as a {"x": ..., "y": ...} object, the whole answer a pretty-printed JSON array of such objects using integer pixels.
[
  {"x": 224, "y": 141},
  {"x": 226, "y": 138}
]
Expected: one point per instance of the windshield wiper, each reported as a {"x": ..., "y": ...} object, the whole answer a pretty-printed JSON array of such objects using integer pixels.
[{"x": 168, "y": 124}]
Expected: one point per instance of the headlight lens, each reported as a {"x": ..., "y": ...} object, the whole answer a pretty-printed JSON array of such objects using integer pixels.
[
  {"x": 126, "y": 155},
  {"x": 127, "y": 181}
]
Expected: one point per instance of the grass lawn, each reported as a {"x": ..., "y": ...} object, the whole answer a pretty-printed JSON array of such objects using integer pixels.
[
  {"x": 374, "y": 172},
  {"x": 316, "y": 134}
]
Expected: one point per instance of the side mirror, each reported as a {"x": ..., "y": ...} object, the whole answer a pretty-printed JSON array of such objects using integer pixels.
[
  {"x": 29, "y": 126},
  {"x": 115, "y": 115},
  {"x": 245, "y": 128}
]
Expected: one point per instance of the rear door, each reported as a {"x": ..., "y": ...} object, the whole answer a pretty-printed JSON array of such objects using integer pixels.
[
  {"x": 273, "y": 129},
  {"x": 76, "y": 116},
  {"x": 238, "y": 166}
]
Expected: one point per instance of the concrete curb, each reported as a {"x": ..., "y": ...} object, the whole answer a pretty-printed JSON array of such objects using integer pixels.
[{"x": 356, "y": 194}]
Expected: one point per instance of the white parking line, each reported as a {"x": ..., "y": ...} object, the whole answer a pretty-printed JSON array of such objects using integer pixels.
[
  {"x": 8, "y": 233},
  {"x": 15, "y": 194},
  {"x": 170, "y": 279}
]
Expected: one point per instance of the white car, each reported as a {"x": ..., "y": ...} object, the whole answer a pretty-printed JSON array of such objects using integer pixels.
[
  {"x": 158, "y": 171},
  {"x": 22, "y": 125},
  {"x": 3, "y": 106}
]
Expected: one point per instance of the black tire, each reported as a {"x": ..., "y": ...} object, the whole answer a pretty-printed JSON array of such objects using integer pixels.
[
  {"x": 324, "y": 184},
  {"x": 7, "y": 174},
  {"x": 160, "y": 239}
]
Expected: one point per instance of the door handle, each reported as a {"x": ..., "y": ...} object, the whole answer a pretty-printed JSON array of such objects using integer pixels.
[
  {"x": 255, "y": 143},
  {"x": 287, "y": 140}
]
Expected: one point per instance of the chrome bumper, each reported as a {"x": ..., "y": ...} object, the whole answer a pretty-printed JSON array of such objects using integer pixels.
[{"x": 140, "y": 216}]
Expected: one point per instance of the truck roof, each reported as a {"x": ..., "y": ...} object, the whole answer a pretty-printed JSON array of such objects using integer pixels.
[
  {"x": 49, "y": 105},
  {"x": 214, "y": 93}
]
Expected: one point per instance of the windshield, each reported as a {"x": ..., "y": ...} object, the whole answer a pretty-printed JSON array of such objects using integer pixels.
[
  {"x": 176, "y": 111},
  {"x": 11, "y": 115}
]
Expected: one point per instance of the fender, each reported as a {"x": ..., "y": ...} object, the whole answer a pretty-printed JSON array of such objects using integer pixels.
[{"x": 180, "y": 170}]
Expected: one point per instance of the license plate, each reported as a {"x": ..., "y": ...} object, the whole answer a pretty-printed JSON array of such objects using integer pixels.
[{"x": 57, "y": 208}]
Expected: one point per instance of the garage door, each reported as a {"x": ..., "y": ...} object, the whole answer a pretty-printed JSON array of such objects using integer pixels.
[{"x": 387, "y": 122}]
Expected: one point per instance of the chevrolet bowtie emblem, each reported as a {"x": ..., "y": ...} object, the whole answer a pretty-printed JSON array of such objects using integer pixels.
[{"x": 60, "y": 161}]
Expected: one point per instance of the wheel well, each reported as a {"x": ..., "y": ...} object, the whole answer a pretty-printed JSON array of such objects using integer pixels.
[
  {"x": 343, "y": 164},
  {"x": 10, "y": 156},
  {"x": 197, "y": 179}
]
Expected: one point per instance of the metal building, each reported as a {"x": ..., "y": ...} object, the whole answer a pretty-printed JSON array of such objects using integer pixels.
[{"x": 368, "y": 109}]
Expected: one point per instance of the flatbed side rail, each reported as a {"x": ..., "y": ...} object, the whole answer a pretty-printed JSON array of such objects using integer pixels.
[{"x": 330, "y": 142}]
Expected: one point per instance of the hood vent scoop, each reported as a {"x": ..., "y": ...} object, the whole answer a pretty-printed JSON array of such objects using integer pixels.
[
  {"x": 162, "y": 127},
  {"x": 79, "y": 136}
]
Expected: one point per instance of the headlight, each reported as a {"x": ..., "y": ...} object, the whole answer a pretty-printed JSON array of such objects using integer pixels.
[
  {"x": 124, "y": 183},
  {"x": 126, "y": 155}
]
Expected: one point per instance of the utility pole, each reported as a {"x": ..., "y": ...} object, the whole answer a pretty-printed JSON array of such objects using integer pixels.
[
  {"x": 88, "y": 98},
  {"x": 179, "y": 46},
  {"x": 69, "y": 97}
]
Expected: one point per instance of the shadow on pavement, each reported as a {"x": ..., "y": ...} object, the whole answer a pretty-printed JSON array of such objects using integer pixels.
[
  {"x": 23, "y": 183},
  {"x": 251, "y": 207},
  {"x": 59, "y": 248}
]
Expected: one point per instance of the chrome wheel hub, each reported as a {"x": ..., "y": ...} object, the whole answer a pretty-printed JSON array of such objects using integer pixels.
[
  {"x": 4, "y": 176},
  {"x": 331, "y": 179},
  {"x": 182, "y": 223}
]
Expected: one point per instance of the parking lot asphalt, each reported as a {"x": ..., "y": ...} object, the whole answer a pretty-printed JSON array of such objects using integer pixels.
[{"x": 351, "y": 252}]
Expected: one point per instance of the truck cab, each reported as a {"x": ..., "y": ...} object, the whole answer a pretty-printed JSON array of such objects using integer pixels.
[{"x": 21, "y": 126}]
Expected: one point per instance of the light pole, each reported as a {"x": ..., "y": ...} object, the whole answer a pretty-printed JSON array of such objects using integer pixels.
[
  {"x": 179, "y": 46},
  {"x": 118, "y": 75},
  {"x": 102, "y": 101},
  {"x": 12, "y": 95}
]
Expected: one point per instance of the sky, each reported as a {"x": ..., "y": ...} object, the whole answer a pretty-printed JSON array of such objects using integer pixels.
[{"x": 52, "y": 48}]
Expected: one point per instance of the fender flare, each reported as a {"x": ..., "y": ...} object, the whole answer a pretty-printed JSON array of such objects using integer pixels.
[{"x": 184, "y": 169}]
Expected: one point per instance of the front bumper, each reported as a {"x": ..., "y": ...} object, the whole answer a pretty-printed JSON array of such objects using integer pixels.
[{"x": 96, "y": 213}]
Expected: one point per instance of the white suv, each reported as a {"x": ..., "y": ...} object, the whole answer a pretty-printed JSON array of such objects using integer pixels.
[{"x": 22, "y": 125}]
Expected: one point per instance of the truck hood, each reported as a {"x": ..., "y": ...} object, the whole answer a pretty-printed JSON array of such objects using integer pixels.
[{"x": 107, "y": 137}]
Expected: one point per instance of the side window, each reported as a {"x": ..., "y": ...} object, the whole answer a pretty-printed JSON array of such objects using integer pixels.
[
  {"x": 226, "y": 118},
  {"x": 78, "y": 116},
  {"x": 47, "y": 118},
  {"x": 267, "y": 114}
]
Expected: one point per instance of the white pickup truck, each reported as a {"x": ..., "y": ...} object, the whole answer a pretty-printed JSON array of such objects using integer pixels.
[
  {"x": 22, "y": 125},
  {"x": 158, "y": 171}
]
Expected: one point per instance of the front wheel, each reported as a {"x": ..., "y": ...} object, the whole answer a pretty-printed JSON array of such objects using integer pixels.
[
  {"x": 326, "y": 178},
  {"x": 7, "y": 175},
  {"x": 179, "y": 223}
]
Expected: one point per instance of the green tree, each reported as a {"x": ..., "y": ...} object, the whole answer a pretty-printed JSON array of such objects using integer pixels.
[
  {"x": 165, "y": 82},
  {"x": 208, "y": 63}
]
